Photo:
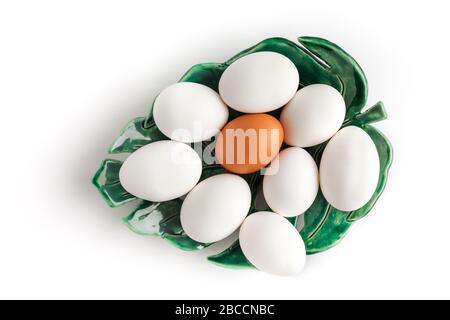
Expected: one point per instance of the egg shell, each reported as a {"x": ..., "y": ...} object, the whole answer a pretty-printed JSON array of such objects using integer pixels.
[
  {"x": 259, "y": 82},
  {"x": 215, "y": 208},
  {"x": 291, "y": 182},
  {"x": 189, "y": 112},
  {"x": 161, "y": 171},
  {"x": 249, "y": 142},
  {"x": 314, "y": 114},
  {"x": 349, "y": 169},
  {"x": 272, "y": 244}
]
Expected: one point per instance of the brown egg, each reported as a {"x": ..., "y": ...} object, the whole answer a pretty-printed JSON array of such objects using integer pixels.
[{"x": 249, "y": 142}]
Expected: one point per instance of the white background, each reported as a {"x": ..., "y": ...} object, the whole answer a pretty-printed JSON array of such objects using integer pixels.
[{"x": 72, "y": 73}]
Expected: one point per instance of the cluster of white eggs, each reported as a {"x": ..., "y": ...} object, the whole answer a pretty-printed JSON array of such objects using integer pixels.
[{"x": 217, "y": 206}]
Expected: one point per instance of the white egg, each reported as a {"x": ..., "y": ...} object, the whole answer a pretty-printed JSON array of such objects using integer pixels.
[
  {"x": 272, "y": 244},
  {"x": 292, "y": 182},
  {"x": 215, "y": 208},
  {"x": 349, "y": 169},
  {"x": 189, "y": 112},
  {"x": 161, "y": 171},
  {"x": 259, "y": 82},
  {"x": 314, "y": 114}
]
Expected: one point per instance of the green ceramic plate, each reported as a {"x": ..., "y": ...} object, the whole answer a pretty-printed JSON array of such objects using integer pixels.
[{"x": 318, "y": 61}]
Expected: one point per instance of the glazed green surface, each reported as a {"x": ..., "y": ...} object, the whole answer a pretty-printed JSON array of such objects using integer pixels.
[
  {"x": 353, "y": 82},
  {"x": 232, "y": 257},
  {"x": 136, "y": 134},
  {"x": 106, "y": 180},
  {"x": 161, "y": 219},
  {"x": 207, "y": 74},
  {"x": 317, "y": 61}
]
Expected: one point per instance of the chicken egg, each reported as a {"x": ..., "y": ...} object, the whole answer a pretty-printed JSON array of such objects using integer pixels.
[
  {"x": 259, "y": 82},
  {"x": 272, "y": 244},
  {"x": 314, "y": 114},
  {"x": 215, "y": 208},
  {"x": 161, "y": 171},
  {"x": 291, "y": 182},
  {"x": 189, "y": 112},
  {"x": 349, "y": 169},
  {"x": 249, "y": 142}
]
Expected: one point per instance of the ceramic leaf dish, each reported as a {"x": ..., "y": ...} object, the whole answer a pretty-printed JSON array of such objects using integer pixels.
[{"x": 319, "y": 61}]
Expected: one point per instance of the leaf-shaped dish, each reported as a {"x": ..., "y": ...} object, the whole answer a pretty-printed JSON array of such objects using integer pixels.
[{"x": 318, "y": 61}]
